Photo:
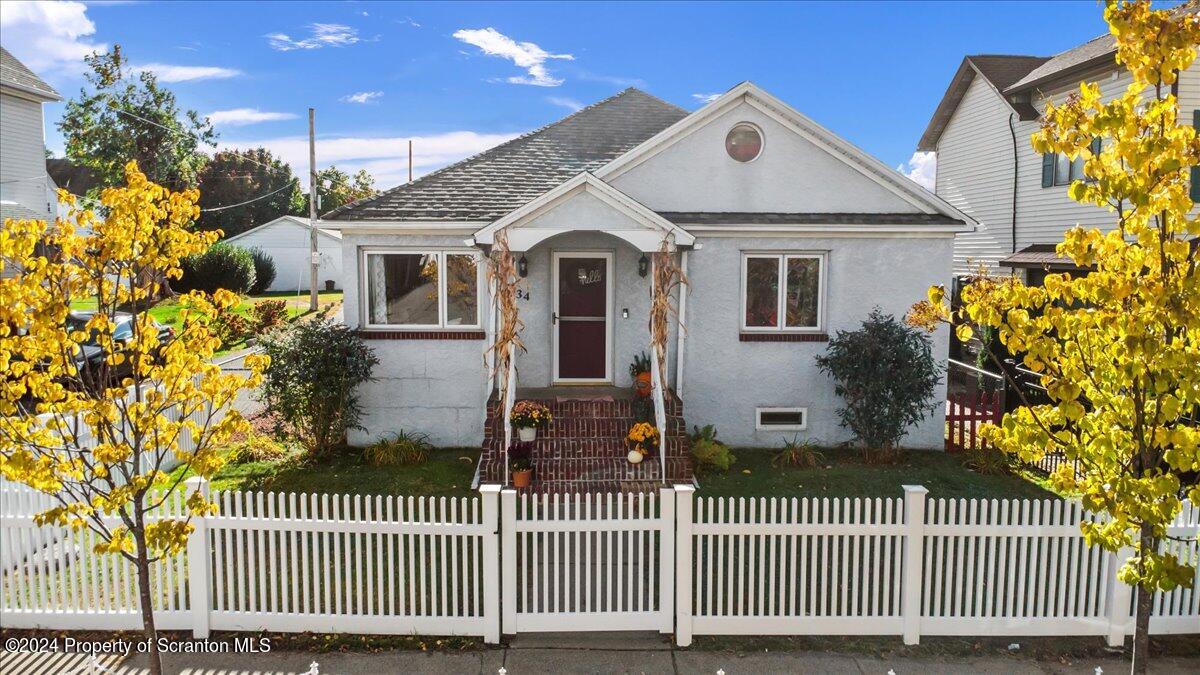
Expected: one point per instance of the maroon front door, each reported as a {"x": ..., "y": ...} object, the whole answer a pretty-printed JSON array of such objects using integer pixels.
[{"x": 581, "y": 317}]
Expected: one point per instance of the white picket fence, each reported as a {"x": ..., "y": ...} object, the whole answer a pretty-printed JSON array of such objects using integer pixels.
[{"x": 501, "y": 561}]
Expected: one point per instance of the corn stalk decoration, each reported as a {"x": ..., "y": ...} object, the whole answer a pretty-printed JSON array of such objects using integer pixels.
[
  {"x": 502, "y": 274},
  {"x": 667, "y": 278}
]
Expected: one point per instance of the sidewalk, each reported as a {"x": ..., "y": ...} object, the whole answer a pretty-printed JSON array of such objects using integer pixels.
[{"x": 567, "y": 654}]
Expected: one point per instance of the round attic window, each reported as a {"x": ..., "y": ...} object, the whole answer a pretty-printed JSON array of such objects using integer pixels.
[{"x": 744, "y": 142}]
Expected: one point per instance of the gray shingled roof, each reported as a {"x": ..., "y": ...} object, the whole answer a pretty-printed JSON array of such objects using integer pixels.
[
  {"x": 14, "y": 74},
  {"x": 496, "y": 181},
  {"x": 762, "y": 218},
  {"x": 1000, "y": 70},
  {"x": 1098, "y": 51}
]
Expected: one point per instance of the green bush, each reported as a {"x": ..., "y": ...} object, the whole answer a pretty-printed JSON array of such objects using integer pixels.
[
  {"x": 257, "y": 448},
  {"x": 988, "y": 461},
  {"x": 708, "y": 454},
  {"x": 221, "y": 266},
  {"x": 886, "y": 376},
  {"x": 798, "y": 454},
  {"x": 316, "y": 366},
  {"x": 264, "y": 271},
  {"x": 402, "y": 449}
]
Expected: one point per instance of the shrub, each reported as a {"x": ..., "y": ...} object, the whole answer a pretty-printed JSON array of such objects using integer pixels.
[
  {"x": 268, "y": 314},
  {"x": 709, "y": 454},
  {"x": 257, "y": 448},
  {"x": 886, "y": 376},
  {"x": 799, "y": 454},
  {"x": 264, "y": 270},
  {"x": 402, "y": 449},
  {"x": 988, "y": 461},
  {"x": 229, "y": 326},
  {"x": 310, "y": 385},
  {"x": 221, "y": 266}
]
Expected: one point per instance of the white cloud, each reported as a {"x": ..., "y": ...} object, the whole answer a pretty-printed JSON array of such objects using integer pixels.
[
  {"x": 238, "y": 117},
  {"x": 386, "y": 158},
  {"x": 49, "y": 37},
  {"x": 706, "y": 98},
  {"x": 172, "y": 73},
  {"x": 525, "y": 55},
  {"x": 322, "y": 35},
  {"x": 361, "y": 97},
  {"x": 568, "y": 103},
  {"x": 922, "y": 168}
]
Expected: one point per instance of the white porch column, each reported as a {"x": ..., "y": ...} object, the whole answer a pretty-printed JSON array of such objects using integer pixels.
[{"x": 681, "y": 330}]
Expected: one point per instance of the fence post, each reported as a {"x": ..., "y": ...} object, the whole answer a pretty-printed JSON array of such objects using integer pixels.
[
  {"x": 683, "y": 564},
  {"x": 914, "y": 546},
  {"x": 508, "y": 559},
  {"x": 199, "y": 586},
  {"x": 490, "y": 494},
  {"x": 1120, "y": 599},
  {"x": 666, "y": 547}
]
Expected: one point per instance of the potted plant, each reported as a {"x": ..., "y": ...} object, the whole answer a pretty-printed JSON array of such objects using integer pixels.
[
  {"x": 642, "y": 440},
  {"x": 527, "y": 416},
  {"x": 520, "y": 463},
  {"x": 639, "y": 370}
]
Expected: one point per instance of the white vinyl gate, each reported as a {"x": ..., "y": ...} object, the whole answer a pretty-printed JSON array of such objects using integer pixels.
[{"x": 596, "y": 562}]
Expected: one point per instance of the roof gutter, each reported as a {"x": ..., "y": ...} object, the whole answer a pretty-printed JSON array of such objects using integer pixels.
[{"x": 1013, "y": 131}]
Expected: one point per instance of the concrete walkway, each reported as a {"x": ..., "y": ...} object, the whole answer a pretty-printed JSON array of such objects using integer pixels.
[{"x": 614, "y": 653}]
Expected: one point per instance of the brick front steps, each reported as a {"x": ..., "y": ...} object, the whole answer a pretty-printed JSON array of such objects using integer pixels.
[{"x": 583, "y": 449}]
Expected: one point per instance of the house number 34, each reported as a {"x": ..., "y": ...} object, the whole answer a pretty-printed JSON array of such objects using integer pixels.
[{"x": 522, "y": 295}]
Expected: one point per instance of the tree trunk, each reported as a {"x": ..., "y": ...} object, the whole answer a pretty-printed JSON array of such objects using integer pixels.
[
  {"x": 1145, "y": 598},
  {"x": 147, "y": 604}
]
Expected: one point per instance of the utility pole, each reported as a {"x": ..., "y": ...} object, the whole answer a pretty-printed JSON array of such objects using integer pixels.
[{"x": 315, "y": 262}]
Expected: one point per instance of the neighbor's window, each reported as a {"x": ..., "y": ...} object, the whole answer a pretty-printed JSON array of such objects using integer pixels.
[
  {"x": 744, "y": 142},
  {"x": 786, "y": 285},
  {"x": 426, "y": 289},
  {"x": 781, "y": 419}
]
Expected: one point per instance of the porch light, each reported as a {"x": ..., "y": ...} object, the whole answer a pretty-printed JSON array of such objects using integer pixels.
[
  {"x": 643, "y": 266},
  {"x": 523, "y": 266}
]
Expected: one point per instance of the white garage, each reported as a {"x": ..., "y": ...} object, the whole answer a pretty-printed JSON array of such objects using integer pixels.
[{"x": 285, "y": 239}]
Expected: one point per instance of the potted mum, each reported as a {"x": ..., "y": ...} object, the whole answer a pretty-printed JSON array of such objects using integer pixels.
[
  {"x": 639, "y": 370},
  {"x": 520, "y": 464},
  {"x": 527, "y": 416},
  {"x": 642, "y": 440}
]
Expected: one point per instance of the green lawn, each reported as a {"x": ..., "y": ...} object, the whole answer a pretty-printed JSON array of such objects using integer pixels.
[
  {"x": 447, "y": 472},
  {"x": 167, "y": 311},
  {"x": 842, "y": 474}
]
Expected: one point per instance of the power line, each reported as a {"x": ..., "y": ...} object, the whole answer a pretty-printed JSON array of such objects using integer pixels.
[{"x": 290, "y": 183}]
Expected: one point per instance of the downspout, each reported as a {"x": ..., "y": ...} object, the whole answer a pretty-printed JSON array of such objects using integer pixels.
[{"x": 1013, "y": 131}]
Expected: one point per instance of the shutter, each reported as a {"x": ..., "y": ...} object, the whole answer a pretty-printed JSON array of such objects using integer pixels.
[
  {"x": 1194, "y": 188},
  {"x": 1048, "y": 169}
]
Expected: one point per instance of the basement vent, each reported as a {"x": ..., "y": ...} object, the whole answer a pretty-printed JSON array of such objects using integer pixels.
[{"x": 781, "y": 419}]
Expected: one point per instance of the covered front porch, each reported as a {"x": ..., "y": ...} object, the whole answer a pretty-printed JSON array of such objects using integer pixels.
[{"x": 577, "y": 308}]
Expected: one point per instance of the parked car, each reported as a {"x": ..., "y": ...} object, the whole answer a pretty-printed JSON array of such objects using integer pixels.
[{"x": 90, "y": 358}]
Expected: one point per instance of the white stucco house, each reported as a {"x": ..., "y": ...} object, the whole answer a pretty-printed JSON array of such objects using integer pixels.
[
  {"x": 286, "y": 240},
  {"x": 786, "y": 232},
  {"x": 26, "y": 190}
]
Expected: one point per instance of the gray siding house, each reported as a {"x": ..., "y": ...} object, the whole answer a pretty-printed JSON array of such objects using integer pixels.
[
  {"x": 986, "y": 165},
  {"x": 26, "y": 190},
  {"x": 786, "y": 233}
]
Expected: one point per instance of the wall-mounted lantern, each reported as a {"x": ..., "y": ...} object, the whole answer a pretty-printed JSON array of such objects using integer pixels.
[
  {"x": 523, "y": 266},
  {"x": 643, "y": 266}
]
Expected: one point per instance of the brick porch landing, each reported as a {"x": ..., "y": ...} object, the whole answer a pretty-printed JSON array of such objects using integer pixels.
[{"x": 583, "y": 449}]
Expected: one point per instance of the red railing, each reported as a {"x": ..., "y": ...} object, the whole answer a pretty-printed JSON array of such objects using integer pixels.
[{"x": 965, "y": 413}]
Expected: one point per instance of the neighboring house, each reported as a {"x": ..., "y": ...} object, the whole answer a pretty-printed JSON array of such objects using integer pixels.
[
  {"x": 986, "y": 165},
  {"x": 26, "y": 191},
  {"x": 286, "y": 240},
  {"x": 743, "y": 191}
]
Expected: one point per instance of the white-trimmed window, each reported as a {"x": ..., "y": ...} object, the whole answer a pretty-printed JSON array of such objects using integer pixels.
[
  {"x": 421, "y": 289},
  {"x": 783, "y": 291},
  {"x": 781, "y": 419}
]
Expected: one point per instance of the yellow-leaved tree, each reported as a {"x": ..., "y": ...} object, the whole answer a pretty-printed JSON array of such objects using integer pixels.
[
  {"x": 1118, "y": 348},
  {"x": 93, "y": 406}
]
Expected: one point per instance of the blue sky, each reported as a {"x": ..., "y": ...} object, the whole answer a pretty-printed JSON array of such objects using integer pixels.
[{"x": 460, "y": 77}]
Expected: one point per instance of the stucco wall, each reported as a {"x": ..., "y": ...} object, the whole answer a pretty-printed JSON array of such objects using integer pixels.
[
  {"x": 726, "y": 379},
  {"x": 434, "y": 387},
  {"x": 791, "y": 175}
]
